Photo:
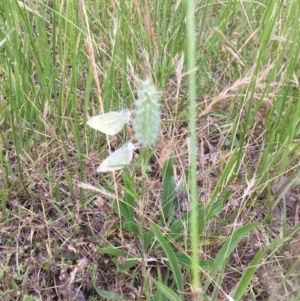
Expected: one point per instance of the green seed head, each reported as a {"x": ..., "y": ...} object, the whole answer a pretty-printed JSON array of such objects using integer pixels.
[{"x": 147, "y": 114}]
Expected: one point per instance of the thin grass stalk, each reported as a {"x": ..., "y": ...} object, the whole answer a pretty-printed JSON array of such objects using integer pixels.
[{"x": 192, "y": 183}]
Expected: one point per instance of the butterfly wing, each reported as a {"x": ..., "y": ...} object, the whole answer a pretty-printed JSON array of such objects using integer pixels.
[
  {"x": 118, "y": 159},
  {"x": 109, "y": 123}
]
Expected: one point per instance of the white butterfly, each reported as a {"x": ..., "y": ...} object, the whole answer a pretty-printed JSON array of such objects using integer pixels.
[
  {"x": 118, "y": 159},
  {"x": 109, "y": 123}
]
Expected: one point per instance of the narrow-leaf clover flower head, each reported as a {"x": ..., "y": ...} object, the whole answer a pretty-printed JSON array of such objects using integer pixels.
[{"x": 147, "y": 114}]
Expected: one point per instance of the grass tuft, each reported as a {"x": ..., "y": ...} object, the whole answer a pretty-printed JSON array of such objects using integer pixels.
[{"x": 211, "y": 212}]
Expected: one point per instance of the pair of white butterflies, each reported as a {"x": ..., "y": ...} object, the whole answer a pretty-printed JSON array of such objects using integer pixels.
[{"x": 112, "y": 123}]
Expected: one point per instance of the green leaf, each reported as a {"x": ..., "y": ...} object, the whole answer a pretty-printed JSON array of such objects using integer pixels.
[
  {"x": 168, "y": 193},
  {"x": 127, "y": 205},
  {"x": 214, "y": 208},
  {"x": 171, "y": 257},
  {"x": 244, "y": 282},
  {"x": 226, "y": 250},
  {"x": 112, "y": 251},
  {"x": 128, "y": 263},
  {"x": 186, "y": 261},
  {"x": 109, "y": 295},
  {"x": 177, "y": 228},
  {"x": 132, "y": 227},
  {"x": 166, "y": 291}
]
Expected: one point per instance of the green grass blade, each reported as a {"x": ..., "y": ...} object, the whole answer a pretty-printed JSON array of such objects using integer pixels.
[
  {"x": 228, "y": 248},
  {"x": 243, "y": 284},
  {"x": 130, "y": 195},
  {"x": 168, "y": 192},
  {"x": 166, "y": 291},
  {"x": 108, "y": 295},
  {"x": 171, "y": 258}
]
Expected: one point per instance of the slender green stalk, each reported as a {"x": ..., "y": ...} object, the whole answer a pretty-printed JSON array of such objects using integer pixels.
[{"x": 191, "y": 60}]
